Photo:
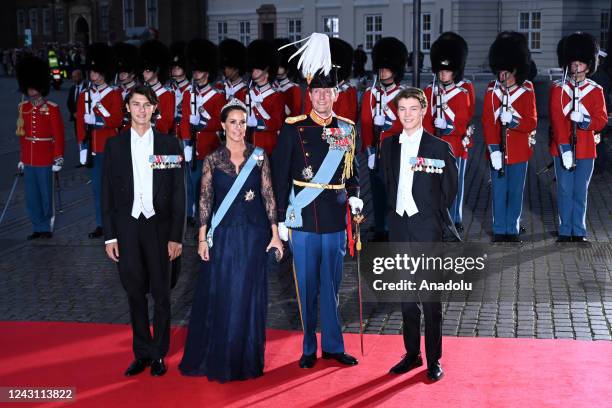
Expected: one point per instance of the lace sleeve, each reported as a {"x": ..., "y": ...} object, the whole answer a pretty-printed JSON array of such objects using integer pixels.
[
  {"x": 266, "y": 190},
  {"x": 207, "y": 193}
]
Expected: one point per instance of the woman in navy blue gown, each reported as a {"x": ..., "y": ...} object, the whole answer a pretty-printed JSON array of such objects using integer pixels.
[{"x": 226, "y": 336}]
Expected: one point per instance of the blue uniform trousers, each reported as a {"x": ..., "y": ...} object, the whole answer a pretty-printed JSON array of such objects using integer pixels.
[
  {"x": 317, "y": 262},
  {"x": 193, "y": 187},
  {"x": 379, "y": 199},
  {"x": 456, "y": 210},
  {"x": 96, "y": 185},
  {"x": 508, "y": 198},
  {"x": 39, "y": 196},
  {"x": 572, "y": 191}
]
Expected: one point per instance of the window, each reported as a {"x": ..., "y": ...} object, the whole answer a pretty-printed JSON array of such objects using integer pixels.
[
  {"x": 21, "y": 25},
  {"x": 59, "y": 20},
  {"x": 425, "y": 32},
  {"x": 128, "y": 13},
  {"x": 373, "y": 30},
  {"x": 331, "y": 26},
  {"x": 46, "y": 27},
  {"x": 604, "y": 29},
  {"x": 221, "y": 31},
  {"x": 152, "y": 13},
  {"x": 34, "y": 21},
  {"x": 245, "y": 32},
  {"x": 530, "y": 24},
  {"x": 104, "y": 17},
  {"x": 295, "y": 30}
]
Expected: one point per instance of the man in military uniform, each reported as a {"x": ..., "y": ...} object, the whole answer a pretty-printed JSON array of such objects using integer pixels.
[
  {"x": 201, "y": 110},
  {"x": 448, "y": 115},
  {"x": 346, "y": 104},
  {"x": 127, "y": 62},
  {"x": 179, "y": 81},
  {"x": 509, "y": 119},
  {"x": 233, "y": 56},
  {"x": 285, "y": 76},
  {"x": 99, "y": 114},
  {"x": 314, "y": 174},
  {"x": 379, "y": 118},
  {"x": 577, "y": 113},
  {"x": 154, "y": 59},
  {"x": 40, "y": 129},
  {"x": 266, "y": 106}
]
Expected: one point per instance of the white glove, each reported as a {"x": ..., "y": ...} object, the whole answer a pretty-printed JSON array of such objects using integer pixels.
[
  {"x": 440, "y": 123},
  {"x": 567, "y": 159},
  {"x": 496, "y": 160},
  {"x": 379, "y": 120},
  {"x": 57, "y": 164},
  {"x": 371, "y": 161},
  {"x": 577, "y": 117},
  {"x": 283, "y": 231},
  {"x": 83, "y": 156},
  {"x": 194, "y": 119},
  {"x": 90, "y": 118},
  {"x": 252, "y": 120},
  {"x": 506, "y": 117},
  {"x": 465, "y": 142},
  {"x": 188, "y": 150},
  {"x": 257, "y": 99},
  {"x": 356, "y": 204},
  {"x": 20, "y": 166}
]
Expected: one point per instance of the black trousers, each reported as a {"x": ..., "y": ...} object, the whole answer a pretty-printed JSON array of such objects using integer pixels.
[{"x": 144, "y": 266}]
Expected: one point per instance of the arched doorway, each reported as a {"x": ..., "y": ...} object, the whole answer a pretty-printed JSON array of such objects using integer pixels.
[{"x": 81, "y": 31}]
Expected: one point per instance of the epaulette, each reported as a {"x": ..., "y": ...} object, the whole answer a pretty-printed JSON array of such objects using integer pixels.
[
  {"x": 467, "y": 81},
  {"x": 344, "y": 120},
  {"x": 595, "y": 84},
  {"x": 52, "y": 104},
  {"x": 294, "y": 119},
  {"x": 558, "y": 82},
  {"x": 462, "y": 89}
]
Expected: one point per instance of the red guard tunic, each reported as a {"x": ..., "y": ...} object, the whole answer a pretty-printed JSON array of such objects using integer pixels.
[
  {"x": 522, "y": 104},
  {"x": 267, "y": 106},
  {"x": 107, "y": 105},
  {"x": 292, "y": 94},
  {"x": 43, "y": 140},
  {"x": 125, "y": 89},
  {"x": 379, "y": 101},
  {"x": 165, "y": 118},
  {"x": 207, "y": 103},
  {"x": 237, "y": 90},
  {"x": 346, "y": 104}
]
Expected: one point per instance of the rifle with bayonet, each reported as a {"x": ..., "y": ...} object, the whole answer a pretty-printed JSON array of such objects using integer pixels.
[
  {"x": 89, "y": 130},
  {"x": 504, "y": 127},
  {"x": 193, "y": 139},
  {"x": 575, "y": 108},
  {"x": 438, "y": 106},
  {"x": 377, "y": 128}
]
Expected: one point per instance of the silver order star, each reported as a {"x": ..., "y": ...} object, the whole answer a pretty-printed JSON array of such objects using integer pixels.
[{"x": 249, "y": 195}]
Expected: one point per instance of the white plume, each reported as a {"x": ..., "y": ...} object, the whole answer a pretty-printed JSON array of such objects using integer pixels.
[{"x": 316, "y": 55}]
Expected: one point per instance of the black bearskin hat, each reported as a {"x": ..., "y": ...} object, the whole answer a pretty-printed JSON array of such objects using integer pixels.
[
  {"x": 101, "y": 59},
  {"x": 177, "y": 55},
  {"x": 127, "y": 57},
  {"x": 390, "y": 53},
  {"x": 233, "y": 54},
  {"x": 33, "y": 72},
  {"x": 510, "y": 52},
  {"x": 342, "y": 56},
  {"x": 583, "y": 47},
  {"x": 203, "y": 55},
  {"x": 154, "y": 56},
  {"x": 449, "y": 52},
  {"x": 284, "y": 55},
  {"x": 262, "y": 54}
]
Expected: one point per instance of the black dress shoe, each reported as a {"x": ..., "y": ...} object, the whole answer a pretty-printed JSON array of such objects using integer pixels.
[
  {"x": 46, "y": 235},
  {"x": 580, "y": 239},
  {"x": 137, "y": 366},
  {"x": 513, "y": 238},
  {"x": 97, "y": 233},
  {"x": 459, "y": 227},
  {"x": 434, "y": 371},
  {"x": 342, "y": 358},
  {"x": 498, "y": 238},
  {"x": 407, "y": 364},
  {"x": 564, "y": 238},
  {"x": 34, "y": 235},
  {"x": 158, "y": 368},
  {"x": 522, "y": 229},
  {"x": 308, "y": 360}
]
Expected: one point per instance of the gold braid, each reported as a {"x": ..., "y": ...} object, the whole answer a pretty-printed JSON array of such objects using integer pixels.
[
  {"x": 20, "y": 130},
  {"x": 349, "y": 156}
]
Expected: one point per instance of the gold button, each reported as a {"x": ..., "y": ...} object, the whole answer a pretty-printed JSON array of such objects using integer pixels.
[{"x": 307, "y": 154}]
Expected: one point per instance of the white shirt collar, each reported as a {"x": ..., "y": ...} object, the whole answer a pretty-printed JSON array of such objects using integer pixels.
[
  {"x": 414, "y": 137},
  {"x": 145, "y": 139}
]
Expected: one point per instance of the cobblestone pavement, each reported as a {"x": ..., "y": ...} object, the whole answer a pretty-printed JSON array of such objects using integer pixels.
[{"x": 69, "y": 278}]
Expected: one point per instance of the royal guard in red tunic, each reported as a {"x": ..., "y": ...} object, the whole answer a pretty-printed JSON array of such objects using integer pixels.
[
  {"x": 448, "y": 113},
  {"x": 509, "y": 119},
  {"x": 342, "y": 57},
  {"x": 233, "y": 57},
  {"x": 178, "y": 82},
  {"x": 379, "y": 118},
  {"x": 99, "y": 115},
  {"x": 201, "y": 122},
  {"x": 577, "y": 114},
  {"x": 154, "y": 60},
  {"x": 266, "y": 106},
  {"x": 40, "y": 129},
  {"x": 127, "y": 64},
  {"x": 285, "y": 82}
]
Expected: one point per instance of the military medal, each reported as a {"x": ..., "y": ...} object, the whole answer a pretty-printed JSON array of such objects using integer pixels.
[
  {"x": 307, "y": 173},
  {"x": 249, "y": 195}
]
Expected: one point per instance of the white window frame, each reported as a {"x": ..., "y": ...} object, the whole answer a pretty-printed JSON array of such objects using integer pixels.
[
  {"x": 152, "y": 13},
  {"x": 33, "y": 20},
  {"x": 59, "y": 20},
  {"x": 21, "y": 21},
  {"x": 104, "y": 17},
  {"x": 334, "y": 31},
  {"x": 375, "y": 33},
  {"x": 244, "y": 29},
  {"x": 221, "y": 31},
  {"x": 604, "y": 29},
  {"x": 46, "y": 21},
  {"x": 128, "y": 13},
  {"x": 531, "y": 31},
  {"x": 294, "y": 29},
  {"x": 425, "y": 39}
]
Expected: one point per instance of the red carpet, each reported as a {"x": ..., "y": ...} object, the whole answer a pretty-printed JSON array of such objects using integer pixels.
[{"x": 480, "y": 372}]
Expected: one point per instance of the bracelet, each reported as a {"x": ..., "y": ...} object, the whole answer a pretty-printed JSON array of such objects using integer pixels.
[{"x": 202, "y": 240}]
